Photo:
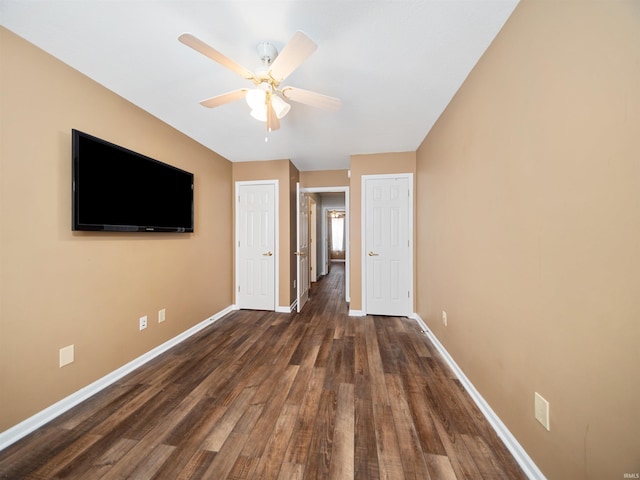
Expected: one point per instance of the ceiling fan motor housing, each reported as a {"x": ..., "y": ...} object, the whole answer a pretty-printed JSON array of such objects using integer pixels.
[{"x": 267, "y": 52}]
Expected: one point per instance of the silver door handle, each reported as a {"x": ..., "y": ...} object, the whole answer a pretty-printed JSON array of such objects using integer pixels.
[
  {"x": 371, "y": 254},
  {"x": 268, "y": 254}
]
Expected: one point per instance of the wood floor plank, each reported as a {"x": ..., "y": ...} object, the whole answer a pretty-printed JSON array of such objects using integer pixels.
[
  {"x": 227, "y": 423},
  {"x": 187, "y": 436},
  {"x": 319, "y": 455},
  {"x": 154, "y": 437},
  {"x": 282, "y": 396},
  {"x": 440, "y": 467},
  {"x": 291, "y": 471},
  {"x": 298, "y": 449},
  {"x": 461, "y": 461},
  {"x": 269, "y": 466},
  {"x": 484, "y": 458},
  {"x": 342, "y": 454},
  {"x": 366, "y": 465},
  {"x": 389, "y": 460},
  {"x": 266, "y": 423},
  {"x": 152, "y": 463},
  {"x": 66, "y": 456},
  {"x": 197, "y": 465},
  {"x": 413, "y": 463},
  {"x": 243, "y": 468},
  {"x": 226, "y": 458}
]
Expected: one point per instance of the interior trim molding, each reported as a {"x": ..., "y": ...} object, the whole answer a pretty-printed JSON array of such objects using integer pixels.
[
  {"x": 356, "y": 313},
  {"x": 289, "y": 309},
  {"x": 34, "y": 422},
  {"x": 524, "y": 460}
]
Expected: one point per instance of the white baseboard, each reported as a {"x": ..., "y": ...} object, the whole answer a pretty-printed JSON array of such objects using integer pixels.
[
  {"x": 289, "y": 309},
  {"x": 356, "y": 313},
  {"x": 34, "y": 422},
  {"x": 524, "y": 460}
]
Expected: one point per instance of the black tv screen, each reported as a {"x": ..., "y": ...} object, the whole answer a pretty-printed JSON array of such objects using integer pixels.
[{"x": 118, "y": 190}]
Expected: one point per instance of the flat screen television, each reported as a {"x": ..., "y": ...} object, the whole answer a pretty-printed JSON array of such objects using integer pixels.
[{"x": 118, "y": 190}]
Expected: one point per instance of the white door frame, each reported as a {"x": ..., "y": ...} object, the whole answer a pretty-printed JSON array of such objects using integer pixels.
[
  {"x": 303, "y": 273},
  {"x": 363, "y": 216},
  {"x": 276, "y": 229},
  {"x": 347, "y": 263}
]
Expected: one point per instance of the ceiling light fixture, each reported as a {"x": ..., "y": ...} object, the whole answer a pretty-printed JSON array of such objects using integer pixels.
[
  {"x": 267, "y": 98},
  {"x": 258, "y": 98}
]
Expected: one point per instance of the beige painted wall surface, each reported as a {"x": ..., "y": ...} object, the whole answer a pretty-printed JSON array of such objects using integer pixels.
[
  {"x": 59, "y": 287},
  {"x": 528, "y": 232},
  {"x": 286, "y": 174},
  {"x": 374, "y": 164},
  {"x": 325, "y": 178}
]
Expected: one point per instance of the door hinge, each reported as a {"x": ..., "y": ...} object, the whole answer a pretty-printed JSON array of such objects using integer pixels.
[
  {"x": 408, "y": 294},
  {"x": 238, "y": 288}
]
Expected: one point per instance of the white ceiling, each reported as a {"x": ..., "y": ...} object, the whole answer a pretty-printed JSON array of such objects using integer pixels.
[{"x": 395, "y": 64}]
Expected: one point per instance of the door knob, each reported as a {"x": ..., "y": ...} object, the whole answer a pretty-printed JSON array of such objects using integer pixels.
[
  {"x": 372, "y": 254},
  {"x": 268, "y": 254}
]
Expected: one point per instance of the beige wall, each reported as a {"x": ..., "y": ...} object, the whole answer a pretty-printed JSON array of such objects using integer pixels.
[
  {"x": 59, "y": 287},
  {"x": 325, "y": 178},
  {"x": 528, "y": 227},
  {"x": 287, "y": 176},
  {"x": 375, "y": 164}
]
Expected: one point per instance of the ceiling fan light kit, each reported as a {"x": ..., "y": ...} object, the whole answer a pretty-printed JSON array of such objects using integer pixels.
[{"x": 266, "y": 100}]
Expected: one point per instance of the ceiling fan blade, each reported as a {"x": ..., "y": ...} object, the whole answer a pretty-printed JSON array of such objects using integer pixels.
[
  {"x": 208, "y": 51},
  {"x": 224, "y": 98},
  {"x": 296, "y": 51},
  {"x": 312, "y": 98},
  {"x": 272, "y": 119}
]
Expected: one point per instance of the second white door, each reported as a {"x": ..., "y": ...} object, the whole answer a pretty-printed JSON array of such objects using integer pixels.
[{"x": 387, "y": 243}]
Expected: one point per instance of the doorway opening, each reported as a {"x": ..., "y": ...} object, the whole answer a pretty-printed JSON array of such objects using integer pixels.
[
  {"x": 326, "y": 201},
  {"x": 336, "y": 225}
]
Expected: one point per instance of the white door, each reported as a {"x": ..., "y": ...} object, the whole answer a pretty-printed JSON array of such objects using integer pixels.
[
  {"x": 302, "y": 251},
  {"x": 256, "y": 240},
  {"x": 313, "y": 240},
  {"x": 388, "y": 223}
]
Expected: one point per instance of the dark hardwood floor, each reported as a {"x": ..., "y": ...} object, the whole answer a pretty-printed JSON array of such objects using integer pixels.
[{"x": 264, "y": 395}]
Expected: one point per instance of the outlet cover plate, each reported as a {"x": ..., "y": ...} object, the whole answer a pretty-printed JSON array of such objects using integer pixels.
[
  {"x": 143, "y": 322},
  {"x": 66, "y": 355},
  {"x": 542, "y": 410}
]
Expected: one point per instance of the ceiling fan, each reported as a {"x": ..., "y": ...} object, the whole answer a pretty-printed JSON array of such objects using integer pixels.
[{"x": 267, "y": 99}]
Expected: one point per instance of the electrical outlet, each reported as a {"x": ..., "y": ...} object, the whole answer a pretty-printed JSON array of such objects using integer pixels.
[
  {"x": 66, "y": 355},
  {"x": 444, "y": 318},
  {"x": 143, "y": 322},
  {"x": 541, "y": 410},
  {"x": 162, "y": 315}
]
